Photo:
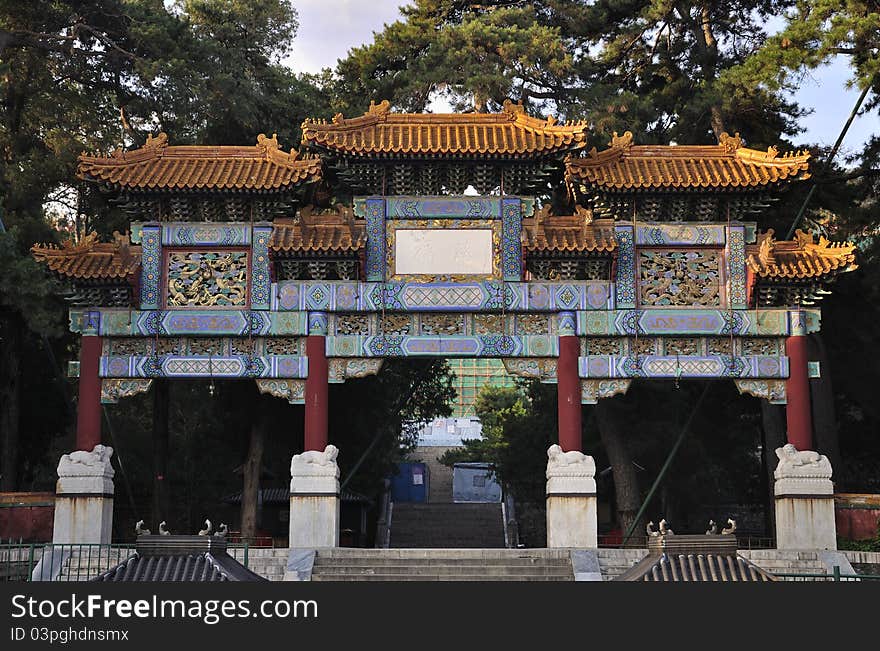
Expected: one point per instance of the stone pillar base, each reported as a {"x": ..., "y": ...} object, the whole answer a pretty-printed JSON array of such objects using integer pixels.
[
  {"x": 804, "y": 500},
  {"x": 314, "y": 499},
  {"x": 571, "y": 500},
  {"x": 84, "y": 497}
]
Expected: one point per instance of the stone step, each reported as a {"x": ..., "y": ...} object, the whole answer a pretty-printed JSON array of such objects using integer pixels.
[
  {"x": 354, "y": 552},
  {"x": 465, "y": 562},
  {"x": 444, "y": 570},
  {"x": 434, "y": 577}
]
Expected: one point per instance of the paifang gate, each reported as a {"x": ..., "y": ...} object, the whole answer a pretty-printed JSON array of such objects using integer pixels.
[{"x": 652, "y": 265}]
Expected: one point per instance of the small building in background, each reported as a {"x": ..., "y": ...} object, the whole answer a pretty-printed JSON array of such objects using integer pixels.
[{"x": 475, "y": 482}]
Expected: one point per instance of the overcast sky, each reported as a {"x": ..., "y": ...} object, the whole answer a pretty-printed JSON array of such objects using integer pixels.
[{"x": 329, "y": 28}]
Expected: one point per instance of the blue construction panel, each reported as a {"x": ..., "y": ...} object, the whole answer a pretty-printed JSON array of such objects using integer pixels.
[{"x": 410, "y": 484}]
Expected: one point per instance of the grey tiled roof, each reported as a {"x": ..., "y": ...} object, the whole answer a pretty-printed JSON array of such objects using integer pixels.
[
  {"x": 197, "y": 559},
  {"x": 674, "y": 558}
]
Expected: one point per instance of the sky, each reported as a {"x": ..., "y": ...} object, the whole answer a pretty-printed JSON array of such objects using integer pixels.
[{"x": 329, "y": 28}]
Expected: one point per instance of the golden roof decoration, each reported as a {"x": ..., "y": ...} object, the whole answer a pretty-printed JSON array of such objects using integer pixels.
[
  {"x": 799, "y": 259},
  {"x": 90, "y": 259},
  {"x": 578, "y": 233},
  {"x": 381, "y": 132},
  {"x": 160, "y": 166},
  {"x": 727, "y": 165}
]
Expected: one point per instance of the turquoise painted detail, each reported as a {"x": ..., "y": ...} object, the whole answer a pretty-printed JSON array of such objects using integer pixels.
[
  {"x": 671, "y": 366},
  {"x": 626, "y": 266},
  {"x": 272, "y": 366},
  {"x": 475, "y": 296},
  {"x": 151, "y": 261},
  {"x": 495, "y": 345},
  {"x": 206, "y": 234},
  {"x": 684, "y": 234},
  {"x": 685, "y": 321}
]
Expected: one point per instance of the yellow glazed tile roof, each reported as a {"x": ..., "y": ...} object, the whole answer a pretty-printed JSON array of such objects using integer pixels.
[
  {"x": 91, "y": 259},
  {"x": 158, "y": 166},
  {"x": 319, "y": 233},
  {"x": 379, "y": 132},
  {"x": 727, "y": 165},
  {"x": 799, "y": 259},
  {"x": 568, "y": 234}
]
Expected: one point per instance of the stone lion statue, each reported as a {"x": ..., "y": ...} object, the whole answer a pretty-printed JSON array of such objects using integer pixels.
[
  {"x": 571, "y": 463},
  {"x": 314, "y": 462},
  {"x": 801, "y": 463},
  {"x": 81, "y": 461}
]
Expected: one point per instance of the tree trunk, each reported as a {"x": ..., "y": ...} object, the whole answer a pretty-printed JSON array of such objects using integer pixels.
[
  {"x": 826, "y": 432},
  {"x": 773, "y": 426},
  {"x": 10, "y": 384},
  {"x": 626, "y": 482},
  {"x": 707, "y": 46},
  {"x": 251, "y": 477},
  {"x": 160, "y": 451}
]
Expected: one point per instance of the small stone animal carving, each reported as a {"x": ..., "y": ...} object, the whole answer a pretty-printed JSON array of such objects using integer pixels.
[
  {"x": 649, "y": 529},
  {"x": 730, "y": 528},
  {"x": 139, "y": 529},
  {"x": 325, "y": 458},
  {"x": 713, "y": 528},
  {"x": 221, "y": 531},
  {"x": 207, "y": 530},
  {"x": 560, "y": 458},
  {"x": 795, "y": 457},
  {"x": 664, "y": 529},
  {"x": 163, "y": 530},
  {"x": 99, "y": 456}
]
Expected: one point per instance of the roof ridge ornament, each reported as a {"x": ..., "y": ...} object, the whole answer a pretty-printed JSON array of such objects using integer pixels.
[
  {"x": 159, "y": 142},
  {"x": 268, "y": 143},
  {"x": 381, "y": 109},
  {"x": 730, "y": 143},
  {"x": 621, "y": 142},
  {"x": 513, "y": 108}
]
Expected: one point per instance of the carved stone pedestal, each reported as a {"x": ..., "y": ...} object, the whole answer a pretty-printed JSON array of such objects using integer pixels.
[
  {"x": 804, "y": 500},
  {"x": 84, "y": 497},
  {"x": 314, "y": 499},
  {"x": 571, "y": 499}
]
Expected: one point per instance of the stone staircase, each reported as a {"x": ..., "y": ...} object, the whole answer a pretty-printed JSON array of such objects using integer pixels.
[
  {"x": 436, "y": 526},
  {"x": 614, "y": 562},
  {"x": 267, "y": 562},
  {"x": 439, "y": 476},
  {"x": 348, "y": 564},
  {"x": 352, "y": 564},
  {"x": 789, "y": 562}
]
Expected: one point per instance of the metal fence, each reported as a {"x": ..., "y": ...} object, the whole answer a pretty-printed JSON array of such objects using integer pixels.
[
  {"x": 835, "y": 575},
  {"x": 74, "y": 562},
  {"x": 641, "y": 542}
]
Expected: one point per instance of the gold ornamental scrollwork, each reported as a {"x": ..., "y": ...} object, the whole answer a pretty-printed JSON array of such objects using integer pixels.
[
  {"x": 294, "y": 391},
  {"x": 112, "y": 389},
  {"x": 594, "y": 390}
]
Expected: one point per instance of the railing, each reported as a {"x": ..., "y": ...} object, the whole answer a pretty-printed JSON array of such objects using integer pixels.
[
  {"x": 615, "y": 541},
  {"x": 75, "y": 562},
  {"x": 834, "y": 576},
  {"x": 511, "y": 527},
  {"x": 383, "y": 522}
]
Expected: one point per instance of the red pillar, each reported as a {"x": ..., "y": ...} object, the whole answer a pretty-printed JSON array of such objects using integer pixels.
[
  {"x": 797, "y": 410},
  {"x": 316, "y": 394},
  {"x": 569, "y": 397},
  {"x": 88, "y": 406}
]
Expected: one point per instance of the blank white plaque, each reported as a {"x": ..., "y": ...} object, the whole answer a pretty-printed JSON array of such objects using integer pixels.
[{"x": 441, "y": 251}]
